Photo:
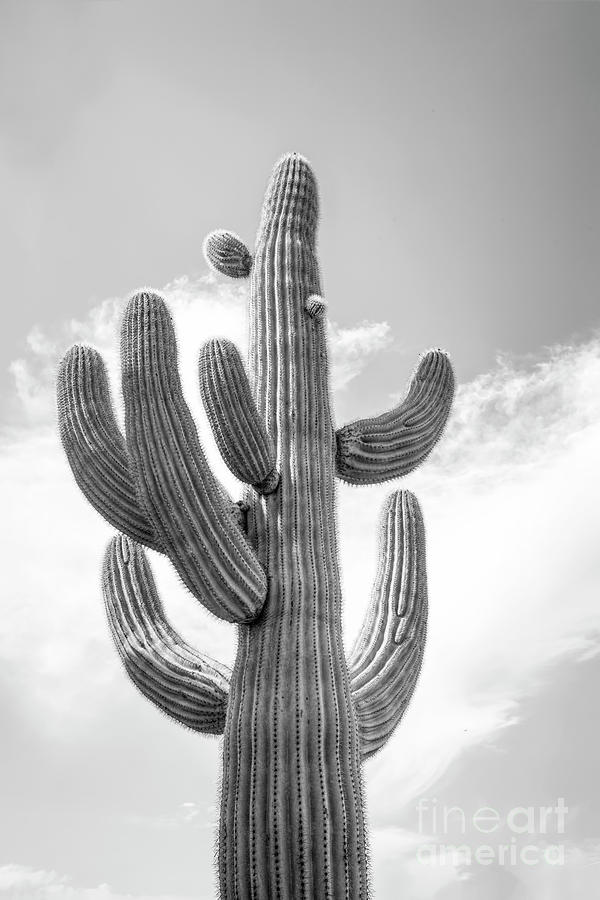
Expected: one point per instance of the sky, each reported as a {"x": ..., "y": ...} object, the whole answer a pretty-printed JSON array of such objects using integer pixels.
[{"x": 455, "y": 146}]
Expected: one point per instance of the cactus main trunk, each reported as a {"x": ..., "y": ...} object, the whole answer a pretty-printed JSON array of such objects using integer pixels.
[{"x": 292, "y": 822}]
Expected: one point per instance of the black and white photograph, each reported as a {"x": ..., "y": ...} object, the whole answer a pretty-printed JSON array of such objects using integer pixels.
[{"x": 299, "y": 450}]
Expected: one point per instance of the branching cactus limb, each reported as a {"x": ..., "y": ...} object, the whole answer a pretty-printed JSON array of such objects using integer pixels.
[
  {"x": 186, "y": 505},
  {"x": 237, "y": 427},
  {"x": 298, "y": 719},
  {"x": 188, "y": 686},
  {"x": 386, "y": 659},
  {"x": 370, "y": 451},
  {"x": 96, "y": 449},
  {"x": 95, "y": 446}
]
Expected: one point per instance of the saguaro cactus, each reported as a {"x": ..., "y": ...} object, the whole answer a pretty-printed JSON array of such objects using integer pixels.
[{"x": 298, "y": 718}]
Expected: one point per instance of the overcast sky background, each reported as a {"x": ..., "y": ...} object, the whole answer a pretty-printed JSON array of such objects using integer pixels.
[{"x": 456, "y": 146}]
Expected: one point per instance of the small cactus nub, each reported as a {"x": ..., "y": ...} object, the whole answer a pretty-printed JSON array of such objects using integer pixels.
[{"x": 226, "y": 253}]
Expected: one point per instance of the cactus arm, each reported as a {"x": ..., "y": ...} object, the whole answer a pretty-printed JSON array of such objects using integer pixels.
[
  {"x": 188, "y": 686},
  {"x": 370, "y": 451},
  {"x": 189, "y": 510},
  {"x": 94, "y": 445},
  {"x": 237, "y": 427},
  {"x": 226, "y": 253},
  {"x": 386, "y": 658}
]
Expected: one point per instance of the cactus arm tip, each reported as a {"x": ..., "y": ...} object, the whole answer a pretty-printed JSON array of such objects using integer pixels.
[
  {"x": 371, "y": 451},
  {"x": 386, "y": 659}
]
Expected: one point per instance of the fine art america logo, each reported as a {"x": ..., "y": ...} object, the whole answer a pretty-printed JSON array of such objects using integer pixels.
[{"x": 523, "y": 835}]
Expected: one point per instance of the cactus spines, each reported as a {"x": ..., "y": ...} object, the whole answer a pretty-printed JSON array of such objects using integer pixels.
[
  {"x": 226, "y": 253},
  {"x": 188, "y": 686},
  {"x": 371, "y": 451},
  {"x": 238, "y": 429},
  {"x": 299, "y": 718}
]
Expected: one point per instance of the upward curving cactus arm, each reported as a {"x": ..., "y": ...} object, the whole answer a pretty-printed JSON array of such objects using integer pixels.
[
  {"x": 386, "y": 659},
  {"x": 239, "y": 431},
  {"x": 95, "y": 447},
  {"x": 189, "y": 510},
  {"x": 370, "y": 451},
  {"x": 94, "y": 444},
  {"x": 188, "y": 686}
]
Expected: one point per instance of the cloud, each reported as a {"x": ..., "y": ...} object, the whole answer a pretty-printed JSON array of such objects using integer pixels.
[
  {"x": 202, "y": 308},
  {"x": 523, "y": 413},
  {"x": 38, "y": 884},
  {"x": 352, "y": 347},
  {"x": 422, "y": 866}
]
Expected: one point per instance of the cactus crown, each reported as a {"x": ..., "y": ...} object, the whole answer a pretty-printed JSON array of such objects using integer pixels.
[{"x": 291, "y": 199}]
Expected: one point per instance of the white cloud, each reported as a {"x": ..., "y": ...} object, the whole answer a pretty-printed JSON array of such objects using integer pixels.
[
  {"x": 202, "y": 308},
  {"x": 398, "y": 869},
  {"x": 523, "y": 414},
  {"x": 423, "y": 866},
  {"x": 23, "y": 883},
  {"x": 352, "y": 347}
]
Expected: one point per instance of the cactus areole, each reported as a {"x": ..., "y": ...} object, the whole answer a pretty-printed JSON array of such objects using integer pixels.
[{"x": 298, "y": 717}]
